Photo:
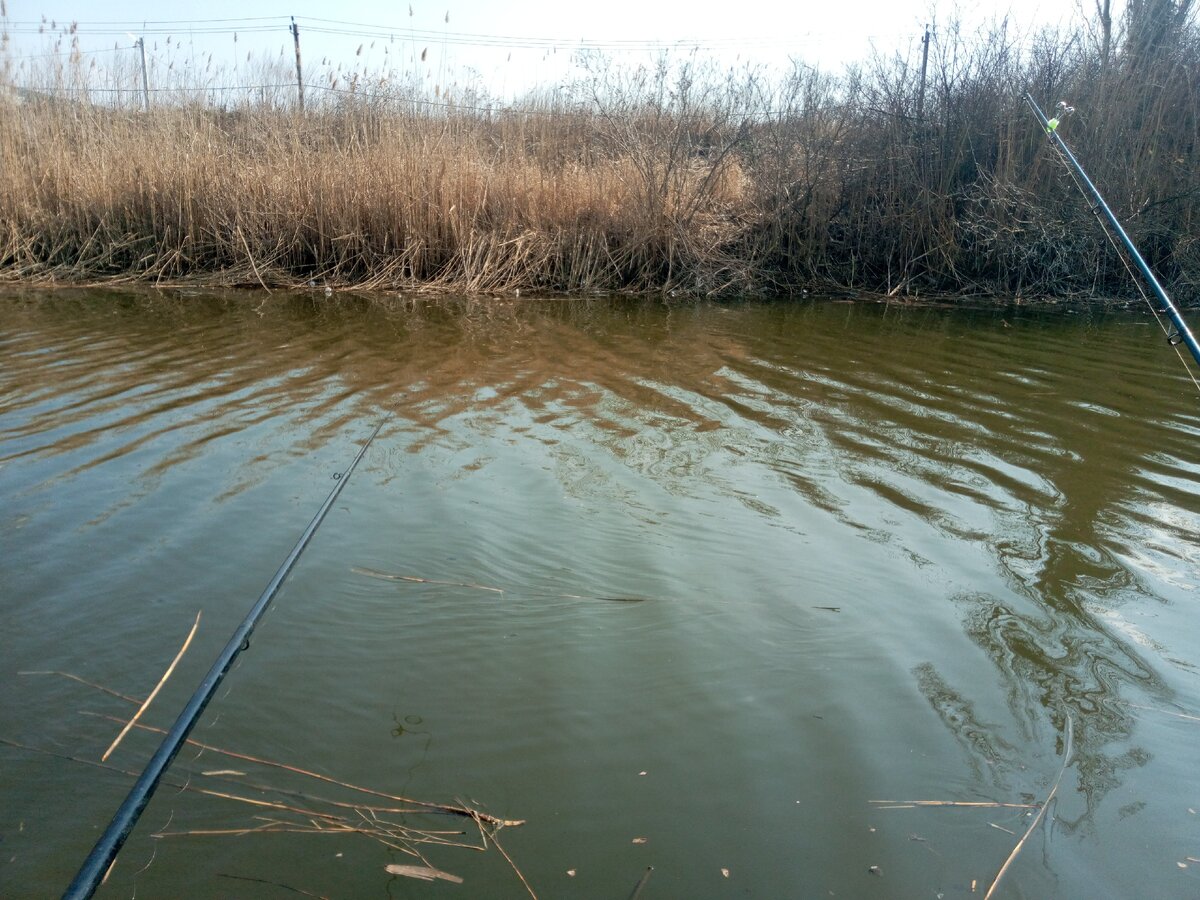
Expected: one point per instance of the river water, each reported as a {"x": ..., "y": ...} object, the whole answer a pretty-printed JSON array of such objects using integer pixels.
[{"x": 689, "y": 587}]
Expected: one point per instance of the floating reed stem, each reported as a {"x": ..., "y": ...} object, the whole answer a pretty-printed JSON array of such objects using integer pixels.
[
  {"x": 154, "y": 693},
  {"x": 1041, "y": 813},
  {"x": 422, "y": 805},
  {"x": 316, "y": 821},
  {"x": 504, "y": 853},
  {"x": 388, "y": 576},
  {"x": 911, "y": 804}
]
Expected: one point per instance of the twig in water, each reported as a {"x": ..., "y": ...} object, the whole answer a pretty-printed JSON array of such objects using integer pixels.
[
  {"x": 637, "y": 889},
  {"x": 175, "y": 784},
  {"x": 909, "y": 804},
  {"x": 154, "y": 693},
  {"x": 608, "y": 599},
  {"x": 286, "y": 887},
  {"x": 390, "y": 834},
  {"x": 388, "y": 576},
  {"x": 424, "y": 804},
  {"x": 504, "y": 853},
  {"x": 1039, "y": 816},
  {"x": 206, "y": 832},
  {"x": 250, "y": 257},
  {"x": 1165, "y": 712}
]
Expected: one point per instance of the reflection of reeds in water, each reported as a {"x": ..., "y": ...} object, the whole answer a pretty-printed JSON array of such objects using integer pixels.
[
  {"x": 672, "y": 178},
  {"x": 985, "y": 748},
  {"x": 297, "y": 810}
]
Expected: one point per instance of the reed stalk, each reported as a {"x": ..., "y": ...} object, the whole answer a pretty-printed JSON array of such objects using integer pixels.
[{"x": 672, "y": 178}]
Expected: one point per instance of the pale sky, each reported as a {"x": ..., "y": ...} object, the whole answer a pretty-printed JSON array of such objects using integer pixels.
[{"x": 512, "y": 46}]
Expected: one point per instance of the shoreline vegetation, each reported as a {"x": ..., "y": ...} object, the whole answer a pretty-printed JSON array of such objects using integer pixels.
[{"x": 677, "y": 178}]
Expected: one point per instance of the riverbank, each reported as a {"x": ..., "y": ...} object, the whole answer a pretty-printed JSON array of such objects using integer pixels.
[{"x": 678, "y": 181}]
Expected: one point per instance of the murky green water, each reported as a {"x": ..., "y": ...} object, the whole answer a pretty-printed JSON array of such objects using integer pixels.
[{"x": 881, "y": 554}]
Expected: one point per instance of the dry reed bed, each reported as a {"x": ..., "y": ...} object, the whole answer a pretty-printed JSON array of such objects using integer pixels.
[
  {"x": 265, "y": 197},
  {"x": 674, "y": 179}
]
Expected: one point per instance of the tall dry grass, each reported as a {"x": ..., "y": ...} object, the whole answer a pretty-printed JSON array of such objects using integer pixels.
[
  {"x": 348, "y": 195},
  {"x": 674, "y": 177}
]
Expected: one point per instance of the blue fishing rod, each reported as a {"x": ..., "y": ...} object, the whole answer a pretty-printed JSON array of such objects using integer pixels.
[
  {"x": 1178, "y": 333},
  {"x": 100, "y": 860}
]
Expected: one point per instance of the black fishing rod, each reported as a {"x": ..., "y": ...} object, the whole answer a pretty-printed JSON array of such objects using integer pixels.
[
  {"x": 98, "y": 862},
  {"x": 1180, "y": 334}
]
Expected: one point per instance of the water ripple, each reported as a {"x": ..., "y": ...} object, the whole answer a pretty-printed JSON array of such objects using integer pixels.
[{"x": 857, "y": 530}]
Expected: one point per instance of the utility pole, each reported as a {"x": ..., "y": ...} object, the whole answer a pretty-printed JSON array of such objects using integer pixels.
[
  {"x": 141, "y": 44},
  {"x": 299, "y": 74},
  {"x": 924, "y": 67}
]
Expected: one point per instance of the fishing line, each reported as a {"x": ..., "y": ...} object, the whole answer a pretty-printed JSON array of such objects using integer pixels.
[
  {"x": 100, "y": 860},
  {"x": 1178, "y": 332},
  {"x": 1124, "y": 257}
]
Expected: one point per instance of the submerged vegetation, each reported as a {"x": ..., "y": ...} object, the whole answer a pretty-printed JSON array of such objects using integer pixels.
[{"x": 669, "y": 178}]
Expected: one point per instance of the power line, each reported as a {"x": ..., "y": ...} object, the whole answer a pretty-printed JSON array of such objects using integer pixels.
[
  {"x": 467, "y": 40},
  {"x": 342, "y": 28},
  {"x": 363, "y": 29},
  {"x": 150, "y": 21},
  {"x": 68, "y": 53},
  {"x": 370, "y": 29},
  {"x": 250, "y": 25},
  {"x": 137, "y": 27},
  {"x": 161, "y": 90}
]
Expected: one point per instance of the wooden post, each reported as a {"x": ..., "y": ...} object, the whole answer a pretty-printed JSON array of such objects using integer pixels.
[
  {"x": 299, "y": 74},
  {"x": 141, "y": 42}
]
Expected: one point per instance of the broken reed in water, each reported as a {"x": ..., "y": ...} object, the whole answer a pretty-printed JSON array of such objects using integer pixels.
[
  {"x": 281, "y": 809},
  {"x": 675, "y": 179}
]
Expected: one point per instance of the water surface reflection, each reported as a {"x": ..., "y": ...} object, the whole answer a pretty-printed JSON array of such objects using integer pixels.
[{"x": 886, "y": 551}]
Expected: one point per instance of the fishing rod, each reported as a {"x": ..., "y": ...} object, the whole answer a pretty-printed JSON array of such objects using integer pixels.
[
  {"x": 100, "y": 860},
  {"x": 1179, "y": 333}
]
